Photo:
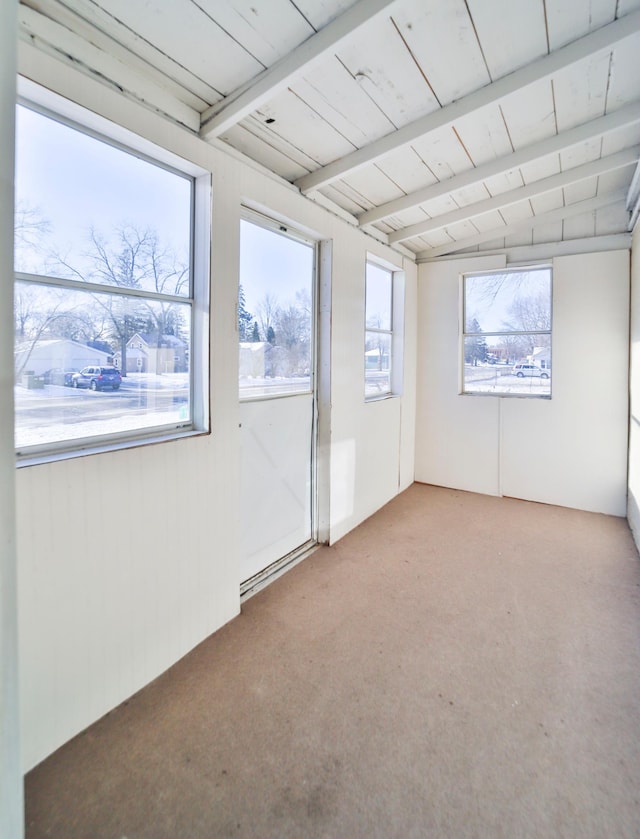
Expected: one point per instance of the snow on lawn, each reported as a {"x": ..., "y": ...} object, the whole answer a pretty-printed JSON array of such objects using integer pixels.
[
  {"x": 500, "y": 380},
  {"x": 107, "y": 426},
  {"x": 154, "y": 380}
]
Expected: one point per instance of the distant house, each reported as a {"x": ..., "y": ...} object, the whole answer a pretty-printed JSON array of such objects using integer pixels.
[
  {"x": 151, "y": 353},
  {"x": 541, "y": 356},
  {"x": 253, "y": 363},
  {"x": 57, "y": 354},
  {"x": 376, "y": 359}
]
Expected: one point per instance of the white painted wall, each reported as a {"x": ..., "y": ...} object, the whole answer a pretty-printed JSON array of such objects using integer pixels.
[
  {"x": 457, "y": 438},
  {"x": 372, "y": 443},
  {"x": 105, "y": 610},
  {"x": 11, "y": 805},
  {"x": 579, "y": 452},
  {"x": 570, "y": 450},
  {"x": 633, "y": 507}
]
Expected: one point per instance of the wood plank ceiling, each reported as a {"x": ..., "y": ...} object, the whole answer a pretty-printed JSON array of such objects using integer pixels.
[{"x": 440, "y": 127}]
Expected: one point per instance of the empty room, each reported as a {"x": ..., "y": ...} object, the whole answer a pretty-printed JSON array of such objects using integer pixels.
[{"x": 320, "y": 454}]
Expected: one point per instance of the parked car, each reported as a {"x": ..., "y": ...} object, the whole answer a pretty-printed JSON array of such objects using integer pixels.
[
  {"x": 67, "y": 377},
  {"x": 522, "y": 370},
  {"x": 97, "y": 378},
  {"x": 58, "y": 376}
]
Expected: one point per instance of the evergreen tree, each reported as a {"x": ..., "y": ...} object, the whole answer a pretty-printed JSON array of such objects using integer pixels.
[
  {"x": 475, "y": 347},
  {"x": 255, "y": 335},
  {"x": 245, "y": 319},
  {"x": 271, "y": 335}
]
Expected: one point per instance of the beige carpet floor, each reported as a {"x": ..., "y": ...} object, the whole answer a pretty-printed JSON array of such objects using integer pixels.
[{"x": 458, "y": 666}]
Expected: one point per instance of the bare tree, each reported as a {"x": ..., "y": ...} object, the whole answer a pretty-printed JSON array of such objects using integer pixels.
[
  {"x": 293, "y": 335},
  {"x": 267, "y": 310},
  {"x": 531, "y": 314},
  {"x": 42, "y": 313},
  {"x": 133, "y": 259},
  {"x": 38, "y": 312},
  {"x": 31, "y": 229},
  {"x": 512, "y": 347},
  {"x": 378, "y": 341},
  {"x": 490, "y": 286},
  {"x": 25, "y": 308}
]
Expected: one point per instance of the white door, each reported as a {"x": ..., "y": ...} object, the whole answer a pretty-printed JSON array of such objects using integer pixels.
[{"x": 276, "y": 325}]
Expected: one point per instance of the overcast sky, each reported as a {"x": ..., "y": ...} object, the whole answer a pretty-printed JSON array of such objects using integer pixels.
[
  {"x": 489, "y": 297},
  {"x": 273, "y": 263},
  {"x": 76, "y": 183}
]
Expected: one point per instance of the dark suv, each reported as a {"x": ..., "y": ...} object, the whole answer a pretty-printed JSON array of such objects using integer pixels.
[{"x": 97, "y": 377}]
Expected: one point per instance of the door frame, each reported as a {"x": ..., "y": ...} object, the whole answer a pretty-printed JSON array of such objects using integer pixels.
[{"x": 320, "y": 375}]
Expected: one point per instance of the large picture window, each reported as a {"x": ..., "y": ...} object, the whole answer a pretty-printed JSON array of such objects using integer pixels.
[
  {"x": 105, "y": 296},
  {"x": 506, "y": 338}
]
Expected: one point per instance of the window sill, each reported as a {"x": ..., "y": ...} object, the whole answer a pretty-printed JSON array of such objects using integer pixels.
[
  {"x": 507, "y": 395},
  {"x": 102, "y": 448},
  {"x": 381, "y": 398}
]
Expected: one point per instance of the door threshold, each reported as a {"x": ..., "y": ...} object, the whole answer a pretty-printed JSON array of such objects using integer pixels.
[{"x": 254, "y": 584}]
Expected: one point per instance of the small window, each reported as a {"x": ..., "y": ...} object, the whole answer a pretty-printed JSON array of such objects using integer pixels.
[
  {"x": 378, "y": 347},
  {"x": 104, "y": 264},
  {"x": 506, "y": 338}
]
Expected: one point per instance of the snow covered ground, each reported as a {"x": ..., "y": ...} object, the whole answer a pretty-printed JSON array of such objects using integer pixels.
[
  {"x": 56, "y": 414},
  {"x": 499, "y": 379}
]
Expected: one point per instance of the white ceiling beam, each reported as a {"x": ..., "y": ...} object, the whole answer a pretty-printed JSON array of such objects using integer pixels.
[
  {"x": 595, "y": 43},
  {"x": 598, "y": 127},
  {"x": 249, "y": 97},
  {"x": 513, "y": 196},
  {"x": 562, "y": 213},
  {"x": 633, "y": 198}
]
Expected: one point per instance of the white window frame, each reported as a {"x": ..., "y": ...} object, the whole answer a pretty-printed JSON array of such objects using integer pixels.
[
  {"x": 396, "y": 333},
  {"x": 50, "y": 104}
]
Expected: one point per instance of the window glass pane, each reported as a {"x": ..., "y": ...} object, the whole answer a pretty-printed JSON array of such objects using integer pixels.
[
  {"x": 93, "y": 212},
  {"x": 275, "y": 312},
  {"x": 378, "y": 297},
  {"x": 89, "y": 365},
  {"x": 99, "y": 365},
  {"x": 490, "y": 369},
  {"x": 513, "y": 301},
  {"x": 377, "y": 363},
  {"x": 507, "y": 340}
]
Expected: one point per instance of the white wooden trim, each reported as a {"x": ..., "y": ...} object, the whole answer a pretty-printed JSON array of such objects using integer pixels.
[
  {"x": 334, "y": 208},
  {"x": 223, "y": 115},
  {"x": 513, "y": 196},
  {"x": 11, "y": 770},
  {"x": 592, "y": 44},
  {"x": 323, "y": 394},
  {"x": 560, "y": 214},
  {"x": 633, "y": 198},
  {"x": 89, "y": 121},
  {"x": 548, "y": 250},
  {"x": 598, "y": 127}
]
